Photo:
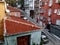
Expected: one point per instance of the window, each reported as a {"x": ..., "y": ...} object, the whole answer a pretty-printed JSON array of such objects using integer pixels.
[
  {"x": 56, "y": 1},
  {"x": 41, "y": 17},
  {"x": 40, "y": 0},
  {"x": 50, "y": 2},
  {"x": 49, "y": 22},
  {"x": 42, "y": 3},
  {"x": 57, "y": 22},
  {"x": 45, "y": 3},
  {"x": 49, "y": 19},
  {"x": 16, "y": 14},
  {"x": 49, "y": 12},
  {"x": 58, "y": 12},
  {"x": 42, "y": 10},
  {"x": 55, "y": 11},
  {"x": 31, "y": 5}
]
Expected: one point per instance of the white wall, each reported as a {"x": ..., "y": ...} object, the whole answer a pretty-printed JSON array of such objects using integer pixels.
[{"x": 36, "y": 37}]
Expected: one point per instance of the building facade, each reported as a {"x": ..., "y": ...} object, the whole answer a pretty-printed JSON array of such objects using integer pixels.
[
  {"x": 29, "y": 6},
  {"x": 13, "y": 11},
  {"x": 2, "y": 15},
  {"x": 50, "y": 9}
]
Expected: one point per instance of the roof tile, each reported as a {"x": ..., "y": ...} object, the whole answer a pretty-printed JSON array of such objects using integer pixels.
[{"x": 14, "y": 25}]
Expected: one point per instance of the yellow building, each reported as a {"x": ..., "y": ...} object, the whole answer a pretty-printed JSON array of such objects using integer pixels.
[{"x": 2, "y": 15}]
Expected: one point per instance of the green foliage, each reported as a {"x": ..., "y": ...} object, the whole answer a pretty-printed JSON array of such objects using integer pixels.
[
  {"x": 41, "y": 43},
  {"x": 11, "y": 2},
  {"x": 33, "y": 43}
]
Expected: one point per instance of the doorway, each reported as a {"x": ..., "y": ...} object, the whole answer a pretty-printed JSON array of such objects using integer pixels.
[{"x": 24, "y": 40}]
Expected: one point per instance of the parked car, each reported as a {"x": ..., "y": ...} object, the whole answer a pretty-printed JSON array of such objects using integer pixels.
[{"x": 44, "y": 38}]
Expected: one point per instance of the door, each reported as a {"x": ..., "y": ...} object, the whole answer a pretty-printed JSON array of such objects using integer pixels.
[
  {"x": 24, "y": 40},
  {"x": 32, "y": 13}
]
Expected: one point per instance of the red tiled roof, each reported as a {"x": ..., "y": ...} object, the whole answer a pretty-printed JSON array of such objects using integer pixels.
[
  {"x": 13, "y": 9},
  {"x": 16, "y": 25}
]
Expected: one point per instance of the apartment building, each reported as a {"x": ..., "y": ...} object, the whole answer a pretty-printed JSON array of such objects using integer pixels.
[
  {"x": 50, "y": 9},
  {"x": 36, "y": 7},
  {"x": 29, "y": 7}
]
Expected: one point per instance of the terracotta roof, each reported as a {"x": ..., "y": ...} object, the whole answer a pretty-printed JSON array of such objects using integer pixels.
[
  {"x": 16, "y": 25},
  {"x": 13, "y": 9}
]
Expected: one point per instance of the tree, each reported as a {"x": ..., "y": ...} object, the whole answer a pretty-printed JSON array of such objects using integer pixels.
[{"x": 11, "y": 2}]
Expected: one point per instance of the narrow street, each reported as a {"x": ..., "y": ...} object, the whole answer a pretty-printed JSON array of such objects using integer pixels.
[
  {"x": 49, "y": 43},
  {"x": 52, "y": 39}
]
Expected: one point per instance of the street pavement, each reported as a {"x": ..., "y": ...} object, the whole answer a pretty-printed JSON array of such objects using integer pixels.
[
  {"x": 49, "y": 43},
  {"x": 52, "y": 40}
]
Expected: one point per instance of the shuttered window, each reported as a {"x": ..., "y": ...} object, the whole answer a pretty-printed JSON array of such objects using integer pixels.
[
  {"x": 49, "y": 12},
  {"x": 58, "y": 12}
]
